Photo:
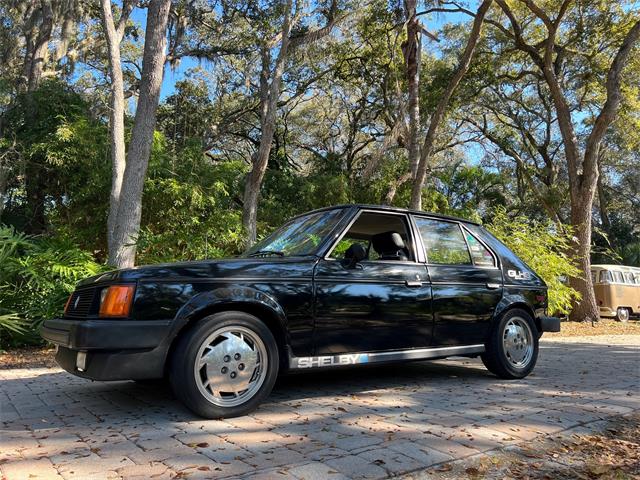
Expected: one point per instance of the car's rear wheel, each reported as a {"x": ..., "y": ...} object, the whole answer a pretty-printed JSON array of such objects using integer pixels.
[
  {"x": 512, "y": 348},
  {"x": 225, "y": 366},
  {"x": 622, "y": 314}
]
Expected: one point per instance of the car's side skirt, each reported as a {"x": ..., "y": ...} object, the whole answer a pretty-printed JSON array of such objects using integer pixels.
[{"x": 359, "y": 358}]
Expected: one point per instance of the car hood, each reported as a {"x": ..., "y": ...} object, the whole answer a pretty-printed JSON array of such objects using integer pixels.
[{"x": 240, "y": 268}]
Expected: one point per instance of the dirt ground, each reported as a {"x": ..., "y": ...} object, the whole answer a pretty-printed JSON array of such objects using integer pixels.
[
  {"x": 613, "y": 453},
  {"x": 28, "y": 357},
  {"x": 603, "y": 327}
]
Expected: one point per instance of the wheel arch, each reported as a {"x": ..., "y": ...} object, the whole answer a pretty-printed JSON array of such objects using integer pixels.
[
  {"x": 241, "y": 299},
  {"x": 508, "y": 304}
]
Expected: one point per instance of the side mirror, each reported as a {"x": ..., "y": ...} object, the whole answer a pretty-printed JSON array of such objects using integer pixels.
[{"x": 354, "y": 255}]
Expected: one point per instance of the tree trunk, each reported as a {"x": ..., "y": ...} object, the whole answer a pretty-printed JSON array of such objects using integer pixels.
[
  {"x": 438, "y": 115},
  {"x": 36, "y": 220},
  {"x": 4, "y": 178},
  {"x": 582, "y": 169},
  {"x": 37, "y": 45},
  {"x": 584, "y": 183},
  {"x": 393, "y": 188},
  {"x": 116, "y": 120},
  {"x": 269, "y": 94},
  {"x": 586, "y": 309},
  {"x": 127, "y": 225},
  {"x": 411, "y": 50}
]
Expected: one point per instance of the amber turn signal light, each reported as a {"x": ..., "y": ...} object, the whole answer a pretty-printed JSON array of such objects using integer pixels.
[
  {"x": 66, "y": 305},
  {"x": 116, "y": 301}
]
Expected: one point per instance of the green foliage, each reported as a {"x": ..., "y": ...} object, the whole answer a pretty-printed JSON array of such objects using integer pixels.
[
  {"x": 12, "y": 327},
  {"x": 542, "y": 246},
  {"x": 36, "y": 277},
  {"x": 190, "y": 205},
  {"x": 61, "y": 152},
  {"x": 341, "y": 99}
]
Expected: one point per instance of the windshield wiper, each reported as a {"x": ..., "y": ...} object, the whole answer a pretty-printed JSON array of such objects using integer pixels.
[{"x": 261, "y": 253}]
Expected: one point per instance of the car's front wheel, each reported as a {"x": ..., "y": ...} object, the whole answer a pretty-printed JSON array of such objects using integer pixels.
[
  {"x": 512, "y": 347},
  {"x": 225, "y": 366}
]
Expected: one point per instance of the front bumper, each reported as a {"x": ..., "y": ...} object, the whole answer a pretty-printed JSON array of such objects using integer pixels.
[
  {"x": 549, "y": 324},
  {"x": 115, "y": 349},
  {"x": 607, "y": 312}
]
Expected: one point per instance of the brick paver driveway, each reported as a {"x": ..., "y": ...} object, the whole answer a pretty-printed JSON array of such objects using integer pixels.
[{"x": 370, "y": 422}]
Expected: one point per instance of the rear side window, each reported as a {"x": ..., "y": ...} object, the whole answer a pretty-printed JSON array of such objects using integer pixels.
[
  {"x": 480, "y": 254},
  {"x": 444, "y": 242},
  {"x": 605, "y": 276}
]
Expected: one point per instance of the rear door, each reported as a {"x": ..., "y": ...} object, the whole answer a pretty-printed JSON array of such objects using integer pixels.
[{"x": 466, "y": 282}]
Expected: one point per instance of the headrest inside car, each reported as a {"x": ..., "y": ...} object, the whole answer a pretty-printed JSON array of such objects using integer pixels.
[{"x": 387, "y": 242}]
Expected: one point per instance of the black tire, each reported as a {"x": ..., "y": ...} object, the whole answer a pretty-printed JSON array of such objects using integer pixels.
[
  {"x": 182, "y": 374},
  {"x": 497, "y": 360}
]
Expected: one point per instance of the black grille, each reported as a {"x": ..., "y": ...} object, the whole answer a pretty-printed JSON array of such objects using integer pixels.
[{"x": 80, "y": 303}]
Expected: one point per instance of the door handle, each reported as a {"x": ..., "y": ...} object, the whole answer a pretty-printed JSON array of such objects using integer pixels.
[
  {"x": 493, "y": 285},
  {"x": 413, "y": 283}
]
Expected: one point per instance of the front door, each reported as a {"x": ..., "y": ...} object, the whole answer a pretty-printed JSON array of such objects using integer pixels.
[
  {"x": 381, "y": 303},
  {"x": 465, "y": 280}
]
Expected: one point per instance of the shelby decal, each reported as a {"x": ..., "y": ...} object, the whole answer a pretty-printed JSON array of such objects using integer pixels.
[{"x": 331, "y": 360}]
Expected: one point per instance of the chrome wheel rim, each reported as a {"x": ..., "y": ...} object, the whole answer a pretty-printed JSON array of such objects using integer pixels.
[
  {"x": 623, "y": 314},
  {"x": 231, "y": 366},
  {"x": 517, "y": 342}
]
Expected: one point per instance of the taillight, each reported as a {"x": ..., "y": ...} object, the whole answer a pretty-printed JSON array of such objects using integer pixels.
[{"x": 115, "y": 301}]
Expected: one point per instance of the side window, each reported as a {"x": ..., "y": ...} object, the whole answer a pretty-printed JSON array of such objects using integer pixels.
[
  {"x": 605, "y": 276},
  {"x": 480, "y": 255},
  {"x": 346, "y": 242},
  {"x": 617, "y": 277},
  {"x": 443, "y": 242},
  {"x": 384, "y": 237}
]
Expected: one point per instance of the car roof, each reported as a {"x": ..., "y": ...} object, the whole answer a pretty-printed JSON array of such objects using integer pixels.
[
  {"x": 620, "y": 268},
  {"x": 387, "y": 208}
]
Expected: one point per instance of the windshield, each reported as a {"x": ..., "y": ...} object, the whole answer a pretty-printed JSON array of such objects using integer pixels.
[{"x": 301, "y": 236}]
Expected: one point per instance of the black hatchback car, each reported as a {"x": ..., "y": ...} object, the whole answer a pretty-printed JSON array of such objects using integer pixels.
[{"x": 345, "y": 285}]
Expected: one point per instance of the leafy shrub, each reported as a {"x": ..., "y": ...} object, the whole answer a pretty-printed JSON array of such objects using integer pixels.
[
  {"x": 543, "y": 246},
  {"x": 10, "y": 325},
  {"x": 36, "y": 277}
]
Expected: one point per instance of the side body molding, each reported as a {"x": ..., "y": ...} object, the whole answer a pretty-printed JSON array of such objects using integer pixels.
[{"x": 227, "y": 296}]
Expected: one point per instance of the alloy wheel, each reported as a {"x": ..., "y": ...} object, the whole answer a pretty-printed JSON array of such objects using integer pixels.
[
  {"x": 517, "y": 342},
  {"x": 231, "y": 366}
]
